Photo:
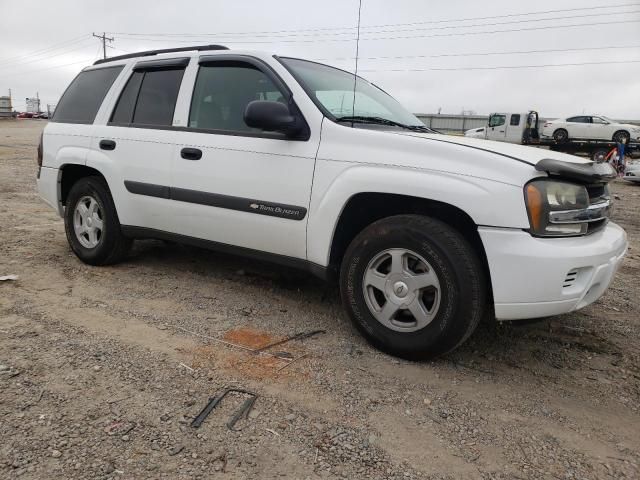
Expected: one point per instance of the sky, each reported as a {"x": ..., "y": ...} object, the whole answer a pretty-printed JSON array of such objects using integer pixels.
[{"x": 432, "y": 56}]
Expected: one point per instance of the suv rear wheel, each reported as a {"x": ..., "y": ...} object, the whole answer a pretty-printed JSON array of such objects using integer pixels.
[
  {"x": 92, "y": 225},
  {"x": 413, "y": 286}
]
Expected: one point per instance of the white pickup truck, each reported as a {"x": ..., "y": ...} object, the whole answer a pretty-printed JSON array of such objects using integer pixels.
[{"x": 276, "y": 158}]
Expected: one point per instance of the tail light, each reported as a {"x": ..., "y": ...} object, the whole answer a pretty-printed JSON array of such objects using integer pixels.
[
  {"x": 39, "y": 158},
  {"x": 547, "y": 124},
  {"x": 40, "y": 151}
]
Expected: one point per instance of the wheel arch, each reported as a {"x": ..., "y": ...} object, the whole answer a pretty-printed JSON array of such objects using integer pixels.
[
  {"x": 362, "y": 209},
  {"x": 69, "y": 174}
]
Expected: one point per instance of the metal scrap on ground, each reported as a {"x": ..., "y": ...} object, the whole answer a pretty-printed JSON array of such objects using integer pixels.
[{"x": 242, "y": 412}]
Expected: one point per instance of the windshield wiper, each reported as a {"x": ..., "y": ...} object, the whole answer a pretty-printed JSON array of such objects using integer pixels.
[{"x": 384, "y": 121}]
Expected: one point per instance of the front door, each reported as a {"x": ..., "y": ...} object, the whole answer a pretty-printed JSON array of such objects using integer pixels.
[{"x": 233, "y": 184}]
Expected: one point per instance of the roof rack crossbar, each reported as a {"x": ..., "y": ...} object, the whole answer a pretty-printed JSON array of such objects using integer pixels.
[{"x": 149, "y": 53}]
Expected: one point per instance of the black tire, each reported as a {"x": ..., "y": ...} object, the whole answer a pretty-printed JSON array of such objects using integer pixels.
[
  {"x": 112, "y": 245},
  {"x": 621, "y": 135},
  {"x": 463, "y": 286},
  {"x": 561, "y": 135}
]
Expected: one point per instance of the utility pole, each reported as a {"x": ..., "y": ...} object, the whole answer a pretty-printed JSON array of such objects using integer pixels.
[{"x": 104, "y": 39}]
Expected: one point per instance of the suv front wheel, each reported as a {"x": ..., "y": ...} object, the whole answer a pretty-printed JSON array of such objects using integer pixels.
[
  {"x": 413, "y": 286},
  {"x": 91, "y": 223}
]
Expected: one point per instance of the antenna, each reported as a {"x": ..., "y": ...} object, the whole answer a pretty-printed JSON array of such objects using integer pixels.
[{"x": 355, "y": 73}]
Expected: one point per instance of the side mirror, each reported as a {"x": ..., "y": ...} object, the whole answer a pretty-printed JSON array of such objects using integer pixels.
[{"x": 271, "y": 117}]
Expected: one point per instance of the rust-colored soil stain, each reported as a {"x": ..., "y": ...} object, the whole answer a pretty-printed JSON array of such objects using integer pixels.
[
  {"x": 249, "y": 337},
  {"x": 251, "y": 365}
]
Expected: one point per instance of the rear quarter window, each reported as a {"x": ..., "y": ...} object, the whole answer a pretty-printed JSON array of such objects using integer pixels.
[{"x": 82, "y": 99}]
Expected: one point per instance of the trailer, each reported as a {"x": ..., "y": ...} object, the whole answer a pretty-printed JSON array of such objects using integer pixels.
[
  {"x": 524, "y": 128},
  {"x": 597, "y": 150}
]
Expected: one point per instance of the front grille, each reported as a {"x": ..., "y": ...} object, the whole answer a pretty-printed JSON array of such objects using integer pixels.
[{"x": 598, "y": 193}]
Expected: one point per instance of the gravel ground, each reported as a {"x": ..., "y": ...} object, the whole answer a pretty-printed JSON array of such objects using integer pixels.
[{"x": 103, "y": 369}]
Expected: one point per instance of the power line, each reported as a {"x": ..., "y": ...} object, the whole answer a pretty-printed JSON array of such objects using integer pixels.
[
  {"x": 436, "y": 69},
  {"x": 448, "y": 27},
  {"x": 462, "y": 34},
  {"x": 88, "y": 60},
  {"x": 571, "y": 17},
  {"x": 518, "y": 52},
  {"x": 527, "y": 29},
  {"x": 429, "y": 22},
  {"x": 38, "y": 53},
  {"x": 635, "y": 4},
  {"x": 65, "y": 52}
]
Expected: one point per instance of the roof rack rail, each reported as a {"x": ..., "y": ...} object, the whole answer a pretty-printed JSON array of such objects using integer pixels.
[{"x": 149, "y": 53}]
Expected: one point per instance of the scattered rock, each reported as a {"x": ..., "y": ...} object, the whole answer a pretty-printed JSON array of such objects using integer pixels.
[{"x": 176, "y": 450}]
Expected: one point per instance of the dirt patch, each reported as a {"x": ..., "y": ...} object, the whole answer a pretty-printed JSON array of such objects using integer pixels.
[{"x": 103, "y": 369}]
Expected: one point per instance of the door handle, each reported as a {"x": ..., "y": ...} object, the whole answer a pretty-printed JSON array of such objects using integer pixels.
[
  {"x": 191, "y": 153},
  {"x": 107, "y": 145}
]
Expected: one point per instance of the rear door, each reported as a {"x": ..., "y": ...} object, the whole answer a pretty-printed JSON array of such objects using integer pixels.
[
  {"x": 68, "y": 136},
  {"x": 496, "y": 130},
  {"x": 136, "y": 145},
  {"x": 578, "y": 127},
  {"x": 514, "y": 128},
  {"x": 233, "y": 184}
]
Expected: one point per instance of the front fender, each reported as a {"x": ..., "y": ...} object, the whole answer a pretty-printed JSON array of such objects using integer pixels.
[{"x": 486, "y": 202}]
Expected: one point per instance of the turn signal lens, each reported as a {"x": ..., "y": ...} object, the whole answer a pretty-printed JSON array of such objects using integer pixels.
[{"x": 535, "y": 206}]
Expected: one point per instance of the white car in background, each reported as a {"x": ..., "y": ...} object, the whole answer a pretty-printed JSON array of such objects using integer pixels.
[
  {"x": 632, "y": 173},
  {"x": 592, "y": 127}
]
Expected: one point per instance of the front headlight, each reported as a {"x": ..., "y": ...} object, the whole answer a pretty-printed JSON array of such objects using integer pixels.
[{"x": 557, "y": 209}]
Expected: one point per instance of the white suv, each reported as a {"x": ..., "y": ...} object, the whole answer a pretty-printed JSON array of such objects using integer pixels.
[{"x": 276, "y": 158}]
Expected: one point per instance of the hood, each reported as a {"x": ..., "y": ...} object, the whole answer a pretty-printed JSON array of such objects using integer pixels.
[{"x": 521, "y": 153}]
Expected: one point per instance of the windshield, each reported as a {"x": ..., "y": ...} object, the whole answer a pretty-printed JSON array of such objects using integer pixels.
[
  {"x": 606, "y": 119},
  {"x": 332, "y": 88}
]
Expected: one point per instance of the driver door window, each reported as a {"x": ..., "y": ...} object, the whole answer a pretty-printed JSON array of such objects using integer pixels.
[
  {"x": 222, "y": 92},
  {"x": 497, "y": 120}
]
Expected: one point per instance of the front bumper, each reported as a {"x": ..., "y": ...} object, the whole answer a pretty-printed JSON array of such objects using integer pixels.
[{"x": 539, "y": 277}]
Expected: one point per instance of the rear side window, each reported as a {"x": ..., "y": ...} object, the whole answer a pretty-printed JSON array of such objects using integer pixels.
[
  {"x": 82, "y": 99},
  {"x": 578, "y": 120},
  {"x": 149, "y": 98},
  {"x": 515, "y": 119},
  {"x": 123, "y": 112}
]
